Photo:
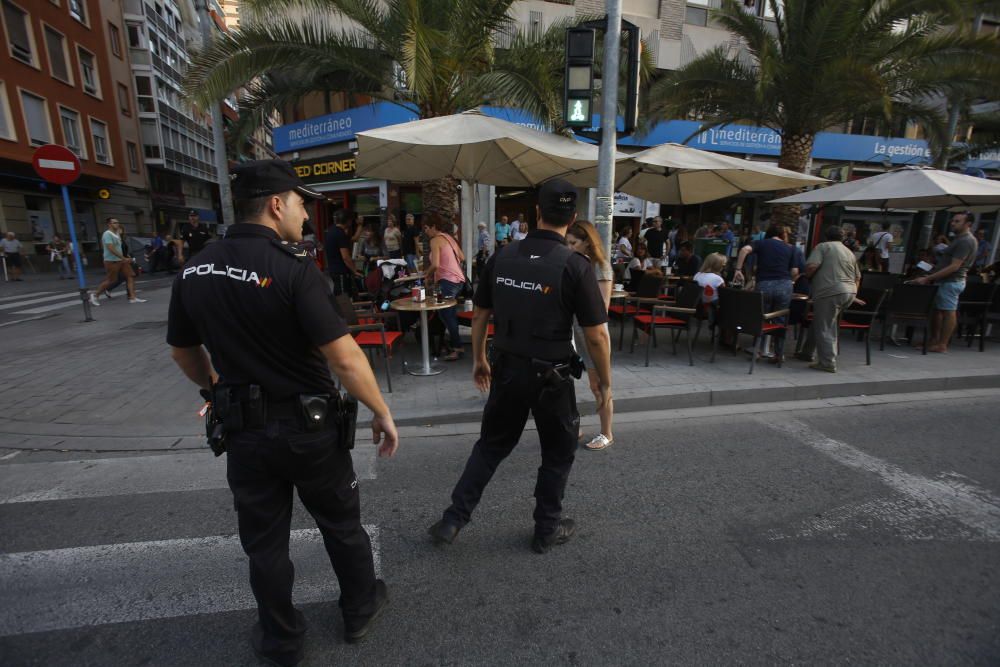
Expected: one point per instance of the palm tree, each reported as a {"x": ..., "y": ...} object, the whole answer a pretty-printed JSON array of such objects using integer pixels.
[
  {"x": 437, "y": 56},
  {"x": 825, "y": 62}
]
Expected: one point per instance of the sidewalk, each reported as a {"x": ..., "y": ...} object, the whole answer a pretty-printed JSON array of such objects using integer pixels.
[{"x": 110, "y": 384}]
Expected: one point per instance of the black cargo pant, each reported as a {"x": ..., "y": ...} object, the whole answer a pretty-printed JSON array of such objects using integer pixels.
[
  {"x": 263, "y": 466},
  {"x": 515, "y": 391}
]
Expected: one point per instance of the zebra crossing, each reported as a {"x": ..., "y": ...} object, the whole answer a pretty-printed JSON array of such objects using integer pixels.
[
  {"x": 78, "y": 584},
  {"x": 36, "y": 303}
]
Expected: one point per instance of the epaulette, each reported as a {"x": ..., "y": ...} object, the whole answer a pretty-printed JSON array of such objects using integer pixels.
[{"x": 292, "y": 249}]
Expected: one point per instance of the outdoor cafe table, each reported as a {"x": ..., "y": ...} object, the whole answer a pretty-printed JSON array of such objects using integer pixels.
[{"x": 407, "y": 304}]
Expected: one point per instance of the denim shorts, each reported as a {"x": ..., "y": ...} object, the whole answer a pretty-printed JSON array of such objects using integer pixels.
[{"x": 947, "y": 295}]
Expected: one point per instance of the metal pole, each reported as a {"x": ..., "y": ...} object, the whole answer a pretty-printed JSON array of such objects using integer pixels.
[
  {"x": 81, "y": 279},
  {"x": 609, "y": 133},
  {"x": 218, "y": 137}
]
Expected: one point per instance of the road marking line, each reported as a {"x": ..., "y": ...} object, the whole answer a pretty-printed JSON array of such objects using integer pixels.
[
  {"x": 947, "y": 496},
  {"x": 29, "y": 295},
  {"x": 138, "y": 581},
  {"x": 129, "y": 475},
  {"x": 18, "y": 304},
  {"x": 7, "y": 457},
  {"x": 45, "y": 309}
]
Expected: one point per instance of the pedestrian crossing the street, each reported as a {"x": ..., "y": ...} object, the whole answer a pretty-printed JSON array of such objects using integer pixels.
[{"x": 81, "y": 584}]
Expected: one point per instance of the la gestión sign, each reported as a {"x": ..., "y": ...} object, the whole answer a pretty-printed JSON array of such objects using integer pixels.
[{"x": 339, "y": 167}]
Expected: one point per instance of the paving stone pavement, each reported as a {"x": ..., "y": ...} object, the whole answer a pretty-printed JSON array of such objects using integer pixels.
[{"x": 110, "y": 384}]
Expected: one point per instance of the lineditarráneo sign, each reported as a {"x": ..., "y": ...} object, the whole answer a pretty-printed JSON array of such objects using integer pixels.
[{"x": 340, "y": 167}]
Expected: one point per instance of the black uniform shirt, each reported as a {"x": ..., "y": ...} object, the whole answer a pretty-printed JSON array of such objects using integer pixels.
[
  {"x": 196, "y": 238},
  {"x": 260, "y": 311},
  {"x": 580, "y": 294}
]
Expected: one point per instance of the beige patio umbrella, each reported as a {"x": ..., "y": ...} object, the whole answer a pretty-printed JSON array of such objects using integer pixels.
[
  {"x": 471, "y": 146},
  {"x": 909, "y": 187},
  {"x": 676, "y": 174}
]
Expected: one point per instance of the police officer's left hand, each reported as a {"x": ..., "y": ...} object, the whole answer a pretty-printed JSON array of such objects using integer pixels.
[
  {"x": 384, "y": 429},
  {"x": 482, "y": 374}
]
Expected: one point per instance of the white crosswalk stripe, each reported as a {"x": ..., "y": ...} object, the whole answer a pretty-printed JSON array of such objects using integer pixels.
[
  {"x": 123, "y": 476},
  {"x": 41, "y": 299},
  {"x": 84, "y": 586},
  {"x": 29, "y": 295},
  {"x": 118, "y": 583}
]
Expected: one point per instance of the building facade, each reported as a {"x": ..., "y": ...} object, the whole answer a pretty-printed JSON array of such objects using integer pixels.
[{"x": 58, "y": 85}]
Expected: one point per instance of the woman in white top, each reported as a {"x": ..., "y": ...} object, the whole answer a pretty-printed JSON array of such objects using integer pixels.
[
  {"x": 519, "y": 232},
  {"x": 393, "y": 238},
  {"x": 584, "y": 239},
  {"x": 623, "y": 249},
  {"x": 710, "y": 277},
  {"x": 642, "y": 260}
]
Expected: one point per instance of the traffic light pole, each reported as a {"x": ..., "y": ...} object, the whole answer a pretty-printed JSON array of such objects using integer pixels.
[{"x": 609, "y": 135}]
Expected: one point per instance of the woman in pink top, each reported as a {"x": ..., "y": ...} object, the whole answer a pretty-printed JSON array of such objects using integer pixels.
[{"x": 446, "y": 268}]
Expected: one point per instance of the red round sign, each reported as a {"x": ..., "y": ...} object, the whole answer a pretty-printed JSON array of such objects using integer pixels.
[{"x": 56, "y": 164}]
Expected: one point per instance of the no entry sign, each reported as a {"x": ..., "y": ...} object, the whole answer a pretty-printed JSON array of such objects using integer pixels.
[{"x": 56, "y": 164}]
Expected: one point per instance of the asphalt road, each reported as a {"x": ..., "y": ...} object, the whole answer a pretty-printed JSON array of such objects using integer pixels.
[{"x": 863, "y": 535}]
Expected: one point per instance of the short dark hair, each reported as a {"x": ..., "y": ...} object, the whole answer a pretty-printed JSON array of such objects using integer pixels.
[
  {"x": 251, "y": 209},
  {"x": 834, "y": 233},
  {"x": 773, "y": 230},
  {"x": 968, "y": 215},
  {"x": 686, "y": 245},
  {"x": 556, "y": 217}
]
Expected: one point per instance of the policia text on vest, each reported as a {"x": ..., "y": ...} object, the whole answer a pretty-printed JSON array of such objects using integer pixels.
[{"x": 533, "y": 289}]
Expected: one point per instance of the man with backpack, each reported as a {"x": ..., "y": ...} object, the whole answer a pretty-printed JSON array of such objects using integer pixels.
[{"x": 881, "y": 241}]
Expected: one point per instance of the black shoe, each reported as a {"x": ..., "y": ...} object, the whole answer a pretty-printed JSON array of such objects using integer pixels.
[
  {"x": 564, "y": 530},
  {"x": 443, "y": 532},
  {"x": 355, "y": 629},
  {"x": 272, "y": 659}
]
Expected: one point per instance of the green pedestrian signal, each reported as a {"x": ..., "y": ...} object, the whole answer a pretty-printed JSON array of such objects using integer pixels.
[{"x": 578, "y": 95}]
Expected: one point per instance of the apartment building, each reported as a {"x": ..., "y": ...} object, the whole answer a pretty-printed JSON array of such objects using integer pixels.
[
  {"x": 58, "y": 85},
  {"x": 175, "y": 138}
]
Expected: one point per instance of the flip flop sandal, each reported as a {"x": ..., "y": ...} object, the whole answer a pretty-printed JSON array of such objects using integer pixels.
[{"x": 599, "y": 442}]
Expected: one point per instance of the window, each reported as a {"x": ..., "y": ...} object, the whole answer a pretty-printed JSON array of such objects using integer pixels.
[
  {"x": 124, "y": 105},
  {"x": 78, "y": 10},
  {"x": 55, "y": 45},
  {"x": 36, "y": 119},
  {"x": 144, "y": 92},
  {"x": 115, "y": 37},
  {"x": 19, "y": 37},
  {"x": 696, "y": 16},
  {"x": 6, "y": 124},
  {"x": 88, "y": 72},
  {"x": 133, "y": 156},
  {"x": 102, "y": 149},
  {"x": 72, "y": 135},
  {"x": 135, "y": 40}
]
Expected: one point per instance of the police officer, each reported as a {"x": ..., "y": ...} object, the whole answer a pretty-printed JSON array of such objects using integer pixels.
[
  {"x": 196, "y": 236},
  {"x": 533, "y": 288},
  {"x": 262, "y": 309}
]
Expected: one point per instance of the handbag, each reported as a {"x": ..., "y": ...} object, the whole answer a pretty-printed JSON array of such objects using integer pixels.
[{"x": 465, "y": 291}]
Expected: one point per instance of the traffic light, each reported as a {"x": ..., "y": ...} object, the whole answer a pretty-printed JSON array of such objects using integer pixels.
[
  {"x": 634, "y": 64},
  {"x": 579, "y": 85}
]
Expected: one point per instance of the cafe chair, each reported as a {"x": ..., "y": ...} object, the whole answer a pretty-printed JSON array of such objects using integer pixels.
[
  {"x": 677, "y": 316},
  {"x": 974, "y": 307},
  {"x": 649, "y": 287},
  {"x": 860, "y": 318},
  {"x": 742, "y": 312},
  {"x": 879, "y": 280},
  {"x": 367, "y": 326},
  {"x": 909, "y": 305}
]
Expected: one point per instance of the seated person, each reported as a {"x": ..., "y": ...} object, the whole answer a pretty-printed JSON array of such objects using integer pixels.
[{"x": 686, "y": 263}]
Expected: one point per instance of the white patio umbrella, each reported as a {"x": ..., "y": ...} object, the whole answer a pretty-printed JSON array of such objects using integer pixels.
[
  {"x": 909, "y": 187},
  {"x": 676, "y": 174},
  {"x": 473, "y": 148}
]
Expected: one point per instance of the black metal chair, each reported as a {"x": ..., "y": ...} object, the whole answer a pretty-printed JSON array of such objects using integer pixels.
[
  {"x": 742, "y": 312},
  {"x": 973, "y": 310},
  {"x": 911, "y": 306},
  {"x": 635, "y": 277},
  {"x": 860, "y": 318},
  {"x": 675, "y": 316},
  {"x": 649, "y": 287},
  {"x": 879, "y": 280}
]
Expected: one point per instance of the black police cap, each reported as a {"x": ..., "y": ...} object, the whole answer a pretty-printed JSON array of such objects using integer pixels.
[
  {"x": 259, "y": 178},
  {"x": 557, "y": 196}
]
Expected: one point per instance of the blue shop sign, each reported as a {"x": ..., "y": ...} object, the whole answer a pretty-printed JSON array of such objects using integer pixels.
[{"x": 746, "y": 139}]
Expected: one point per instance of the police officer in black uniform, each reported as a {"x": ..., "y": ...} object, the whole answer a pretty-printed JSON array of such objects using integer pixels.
[
  {"x": 533, "y": 288},
  {"x": 262, "y": 309}
]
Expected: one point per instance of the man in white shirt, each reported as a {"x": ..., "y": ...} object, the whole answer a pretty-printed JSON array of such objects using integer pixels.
[
  {"x": 881, "y": 241},
  {"x": 11, "y": 248}
]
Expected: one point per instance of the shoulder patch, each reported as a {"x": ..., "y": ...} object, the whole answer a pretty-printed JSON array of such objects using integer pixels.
[{"x": 292, "y": 249}]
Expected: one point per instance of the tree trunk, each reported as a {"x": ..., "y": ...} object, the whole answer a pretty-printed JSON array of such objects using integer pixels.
[
  {"x": 441, "y": 197},
  {"x": 795, "y": 151}
]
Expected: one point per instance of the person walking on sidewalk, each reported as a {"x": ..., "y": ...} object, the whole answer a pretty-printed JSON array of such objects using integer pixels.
[
  {"x": 533, "y": 289},
  {"x": 59, "y": 254},
  {"x": 880, "y": 241},
  {"x": 835, "y": 278},
  {"x": 950, "y": 278},
  {"x": 195, "y": 236},
  {"x": 115, "y": 262},
  {"x": 445, "y": 270},
  {"x": 11, "y": 251},
  {"x": 583, "y": 238},
  {"x": 270, "y": 330},
  {"x": 776, "y": 272}
]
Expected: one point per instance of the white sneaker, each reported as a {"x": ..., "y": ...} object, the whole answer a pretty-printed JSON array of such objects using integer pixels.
[
  {"x": 93, "y": 299},
  {"x": 136, "y": 300}
]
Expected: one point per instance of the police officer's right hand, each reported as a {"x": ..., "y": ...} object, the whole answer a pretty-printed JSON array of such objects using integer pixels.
[
  {"x": 482, "y": 374},
  {"x": 384, "y": 430}
]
